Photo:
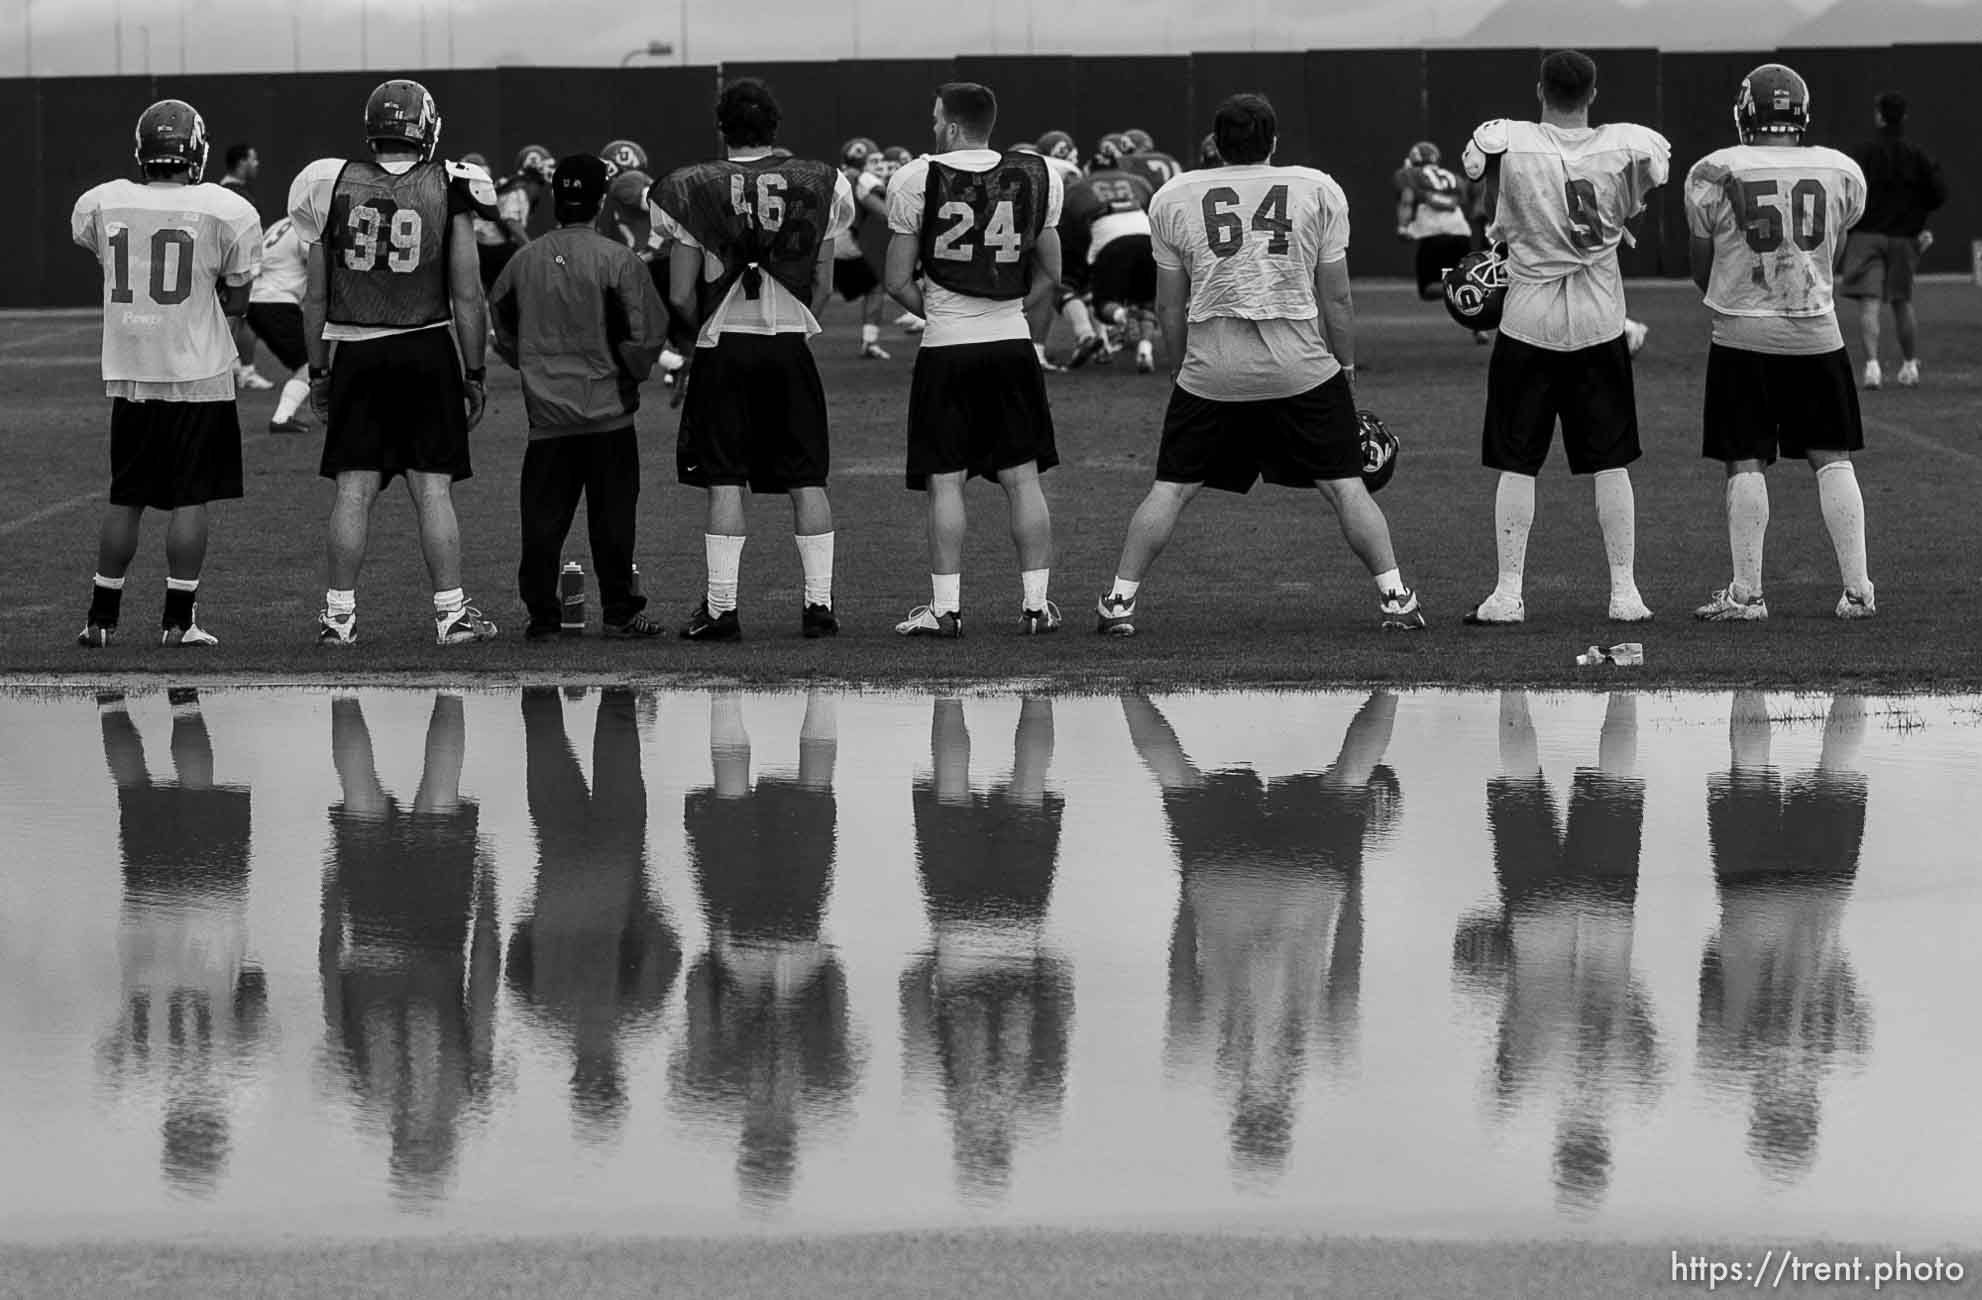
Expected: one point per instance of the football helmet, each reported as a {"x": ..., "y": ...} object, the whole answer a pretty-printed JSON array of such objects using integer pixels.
[
  {"x": 1773, "y": 101},
  {"x": 1476, "y": 289},
  {"x": 624, "y": 156},
  {"x": 1379, "y": 450},
  {"x": 476, "y": 160},
  {"x": 1111, "y": 150},
  {"x": 855, "y": 152},
  {"x": 171, "y": 133},
  {"x": 1423, "y": 154},
  {"x": 1207, "y": 152},
  {"x": 536, "y": 158},
  {"x": 1058, "y": 144},
  {"x": 1140, "y": 141},
  {"x": 404, "y": 113}
]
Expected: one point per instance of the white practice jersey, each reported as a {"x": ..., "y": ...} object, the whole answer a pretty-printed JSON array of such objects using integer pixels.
[
  {"x": 1565, "y": 196},
  {"x": 165, "y": 249},
  {"x": 285, "y": 276},
  {"x": 1777, "y": 215}
]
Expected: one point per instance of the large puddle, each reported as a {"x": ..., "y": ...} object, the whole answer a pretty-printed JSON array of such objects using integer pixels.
[{"x": 1641, "y": 967}]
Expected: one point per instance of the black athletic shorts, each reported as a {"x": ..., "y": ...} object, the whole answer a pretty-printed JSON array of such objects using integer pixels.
[
  {"x": 164, "y": 455},
  {"x": 977, "y": 409},
  {"x": 1288, "y": 441},
  {"x": 1760, "y": 405},
  {"x": 279, "y": 325},
  {"x": 1438, "y": 254},
  {"x": 396, "y": 405},
  {"x": 1589, "y": 390},
  {"x": 853, "y": 278},
  {"x": 1125, "y": 272},
  {"x": 755, "y": 413}
]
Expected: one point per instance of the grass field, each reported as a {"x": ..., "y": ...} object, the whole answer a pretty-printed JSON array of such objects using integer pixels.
[{"x": 1254, "y": 590}]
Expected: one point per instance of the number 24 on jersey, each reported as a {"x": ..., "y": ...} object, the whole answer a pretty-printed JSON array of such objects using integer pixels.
[{"x": 960, "y": 241}]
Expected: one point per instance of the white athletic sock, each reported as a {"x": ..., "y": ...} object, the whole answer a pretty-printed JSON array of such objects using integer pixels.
[
  {"x": 109, "y": 584},
  {"x": 1034, "y": 583},
  {"x": 1844, "y": 516},
  {"x": 1124, "y": 589},
  {"x": 1617, "y": 515},
  {"x": 1513, "y": 516},
  {"x": 1039, "y": 350},
  {"x": 815, "y": 556},
  {"x": 340, "y": 604},
  {"x": 1390, "y": 583},
  {"x": 870, "y": 335},
  {"x": 294, "y": 394},
  {"x": 946, "y": 592},
  {"x": 1747, "y": 523},
  {"x": 451, "y": 601},
  {"x": 725, "y": 558},
  {"x": 182, "y": 584},
  {"x": 1079, "y": 318}
]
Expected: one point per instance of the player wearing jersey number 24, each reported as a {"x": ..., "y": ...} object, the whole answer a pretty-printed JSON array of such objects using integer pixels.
[{"x": 393, "y": 262}]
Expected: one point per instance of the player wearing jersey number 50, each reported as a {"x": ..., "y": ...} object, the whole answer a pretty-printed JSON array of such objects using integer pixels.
[
  {"x": 1560, "y": 191},
  {"x": 981, "y": 227},
  {"x": 1252, "y": 287},
  {"x": 393, "y": 261},
  {"x": 177, "y": 258},
  {"x": 1768, "y": 219}
]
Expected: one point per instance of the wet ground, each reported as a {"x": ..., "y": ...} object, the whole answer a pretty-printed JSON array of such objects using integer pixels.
[{"x": 1624, "y": 968}]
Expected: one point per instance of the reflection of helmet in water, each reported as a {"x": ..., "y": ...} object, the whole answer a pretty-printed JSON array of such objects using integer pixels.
[
  {"x": 1476, "y": 289},
  {"x": 1385, "y": 792}
]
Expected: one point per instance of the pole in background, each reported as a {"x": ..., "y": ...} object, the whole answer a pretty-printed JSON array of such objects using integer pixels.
[
  {"x": 144, "y": 31},
  {"x": 27, "y": 27},
  {"x": 423, "y": 35},
  {"x": 182, "y": 37},
  {"x": 119, "y": 17},
  {"x": 450, "y": 33},
  {"x": 682, "y": 45},
  {"x": 296, "y": 40},
  {"x": 364, "y": 34}
]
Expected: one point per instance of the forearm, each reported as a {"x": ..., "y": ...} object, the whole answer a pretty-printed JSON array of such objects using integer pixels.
[
  {"x": 900, "y": 274},
  {"x": 1175, "y": 323},
  {"x": 1338, "y": 323},
  {"x": 314, "y": 313},
  {"x": 471, "y": 330}
]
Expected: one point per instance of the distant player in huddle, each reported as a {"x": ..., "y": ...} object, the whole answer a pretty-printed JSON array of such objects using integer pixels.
[
  {"x": 1561, "y": 191},
  {"x": 856, "y": 278},
  {"x": 177, "y": 258},
  {"x": 1146, "y": 160},
  {"x": 1104, "y": 241},
  {"x": 1768, "y": 218},
  {"x": 393, "y": 263},
  {"x": 1090, "y": 344},
  {"x": 275, "y": 313},
  {"x": 1431, "y": 212},
  {"x": 1253, "y": 291}
]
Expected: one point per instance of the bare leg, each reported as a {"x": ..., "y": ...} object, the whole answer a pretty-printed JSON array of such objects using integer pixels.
[
  {"x": 726, "y": 514},
  {"x": 351, "y": 752},
  {"x": 185, "y": 543},
  {"x": 1032, "y": 522},
  {"x": 440, "y": 532},
  {"x": 1150, "y": 527},
  {"x": 946, "y": 523},
  {"x": 818, "y": 741},
  {"x": 949, "y": 751},
  {"x": 729, "y": 745},
  {"x": 192, "y": 747},
  {"x": 447, "y": 749},
  {"x": 350, "y": 520},
  {"x": 811, "y": 512},
  {"x": 1032, "y": 750},
  {"x": 1868, "y": 327},
  {"x": 117, "y": 540},
  {"x": 1363, "y": 524},
  {"x": 1907, "y": 327}
]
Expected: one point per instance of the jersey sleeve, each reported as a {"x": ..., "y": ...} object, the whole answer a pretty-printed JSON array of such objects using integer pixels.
[
  {"x": 1706, "y": 196},
  {"x": 309, "y": 198},
  {"x": 240, "y": 240},
  {"x": 666, "y": 228},
  {"x": 470, "y": 189},
  {"x": 1332, "y": 210},
  {"x": 905, "y": 199},
  {"x": 1056, "y": 198},
  {"x": 1853, "y": 178},
  {"x": 83, "y": 227},
  {"x": 1653, "y": 163},
  {"x": 1488, "y": 141},
  {"x": 1164, "y": 245},
  {"x": 840, "y": 219}
]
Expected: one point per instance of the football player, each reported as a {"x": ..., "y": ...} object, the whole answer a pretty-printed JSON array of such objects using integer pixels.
[
  {"x": 1207, "y": 153},
  {"x": 1104, "y": 229},
  {"x": 855, "y": 277},
  {"x": 524, "y": 203},
  {"x": 981, "y": 229},
  {"x": 177, "y": 257},
  {"x": 1068, "y": 300},
  {"x": 1561, "y": 191},
  {"x": 753, "y": 257},
  {"x": 1768, "y": 218},
  {"x": 1146, "y": 160},
  {"x": 624, "y": 156},
  {"x": 275, "y": 313},
  {"x": 1431, "y": 212},
  {"x": 1257, "y": 255},
  {"x": 884, "y": 164},
  {"x": 1060, "y": 153},
  {"x": 393, "y": 263},
  {"x": 495, "y": 243}
]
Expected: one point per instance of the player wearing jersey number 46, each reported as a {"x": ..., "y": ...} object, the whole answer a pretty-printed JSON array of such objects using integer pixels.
[
  {"x": 1253, "y": 289},
  {"x": 393, "y": 263},
  {"x": 1559, "y": 193},
  {"x": 177, "y": 258},
  {"x": 1768, "y": 218}
]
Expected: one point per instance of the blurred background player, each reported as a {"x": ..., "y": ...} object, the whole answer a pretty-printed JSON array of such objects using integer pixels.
[
  {"x": 495, "y": 243},
  {"x": 1903, "y": 187},
  {"x": 1778, "y": 377},
  {"x": 1431, "y": 213},
  {"x": 883, "y": 164},
  {"x": 981, "y": 226},
  {"x": 1104, "y": 231},
  {"x": 625, "y": 216},
  {"x": 1207, "y": 153},
  {"x": 856, "y": 278},
  {"x": 523, "y": 203},
  {"x": 1253, "y": 261},
  {"x": 393, "y": 264},
  {"x": 177, "y": 258},
  {"x": 1090, "y": 344},
  {"x": 1143, "y": 158},
  {"x": 275, "y": 313},
  {"x": 1560, "y": 191},
  {"x": 243, "y": 166},
  {"x": 753, "y": 257}
]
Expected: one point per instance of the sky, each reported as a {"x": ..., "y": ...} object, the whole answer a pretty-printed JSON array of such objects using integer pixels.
[{"x": 82, "y": 37}]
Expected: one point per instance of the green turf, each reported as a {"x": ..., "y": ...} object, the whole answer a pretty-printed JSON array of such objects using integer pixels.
[{"x": 1258, "y": 589}]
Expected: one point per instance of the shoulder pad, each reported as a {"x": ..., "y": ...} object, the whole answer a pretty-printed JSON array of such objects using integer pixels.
[
  {"x": 1493, "y": 137},
  {"x": 480, "y": 185}
]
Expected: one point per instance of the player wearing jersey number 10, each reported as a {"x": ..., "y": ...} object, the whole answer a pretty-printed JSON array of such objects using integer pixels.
[
  {"x": 1768, "y": 219},
  {"x": 980, "y": 225},
  {"x": 393, "y": 261},
  {"x": 1252, "y": 288}
]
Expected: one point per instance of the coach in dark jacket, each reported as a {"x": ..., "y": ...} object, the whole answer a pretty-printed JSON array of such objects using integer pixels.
[
  {"x": 1902, "y": 187},
  {"x": 578, "y": 314}
]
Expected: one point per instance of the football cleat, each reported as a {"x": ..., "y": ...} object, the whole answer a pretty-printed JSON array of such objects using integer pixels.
[
  {"x": 1088, "y": 349},
  {"x": 190, "y": 636},
  {"x": 1726, "y": 607},
  {"x": 1635, "y": 334},
  {"x": 464, "y": 626},
  {"x": 637, "y": 628},
  {"x": 1400, "y": 612},
  {"x": 1038, "y": 622},
  {"x": 95, "y": 636},
  {"x": 251, "y": 379},
  {"x": 1629, "y": 608},
  {"x": 290, "y": 425},
  {"x": 817, "y": 621},
  {"x": 705, "y": 625},
  {"x": 1498, "y": 610},
  {"x": 543, "y": 631},
  {"x": 1874, "y": 377},
  {"x": 171, "y": 133},
  {"x": 337, "y": 629},
  {"x": 1909, "y": 374},
  {"x": 910, "y": 323},
  {"x": 1115, "y": 615},
  {"x": 873, "y": 352},
  {"x": 1852, "y": 606},
  {"x": 923, "y": 620}
]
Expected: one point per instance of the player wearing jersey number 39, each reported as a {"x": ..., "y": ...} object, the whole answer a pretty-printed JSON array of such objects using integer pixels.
[
  {"x": 393, "y": 261},
  {"x": 1768, "y": 218},
  {"x": 177, "y": 258},
  {"x": 1560, "y": 192},
  {"x": 1257, "y": 256}
]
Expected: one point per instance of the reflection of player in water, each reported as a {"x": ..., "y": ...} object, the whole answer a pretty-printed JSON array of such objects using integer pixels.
[
  {"x": 1266, "y": 957},
  {"x": 1556, "y": 958},
  {"x": 195, "y": 1007},
  {"x": 594, "y": 958},
  {"x": 409, "y": 948},
  {"x": 1779, "y": 1007},
  {"x": 986, "y": 1012},
  {"x": 769, "y": 1044}
]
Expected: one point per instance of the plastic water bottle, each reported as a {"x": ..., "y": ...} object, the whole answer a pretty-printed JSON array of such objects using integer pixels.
[
  {"x": 1627, "y": 654},
  {"x": 633, "y": 586},
  {"x": 571, "y": 594}
]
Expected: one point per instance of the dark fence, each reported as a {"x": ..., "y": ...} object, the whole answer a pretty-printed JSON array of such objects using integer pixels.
[{"x": 1352, "y": 113}]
